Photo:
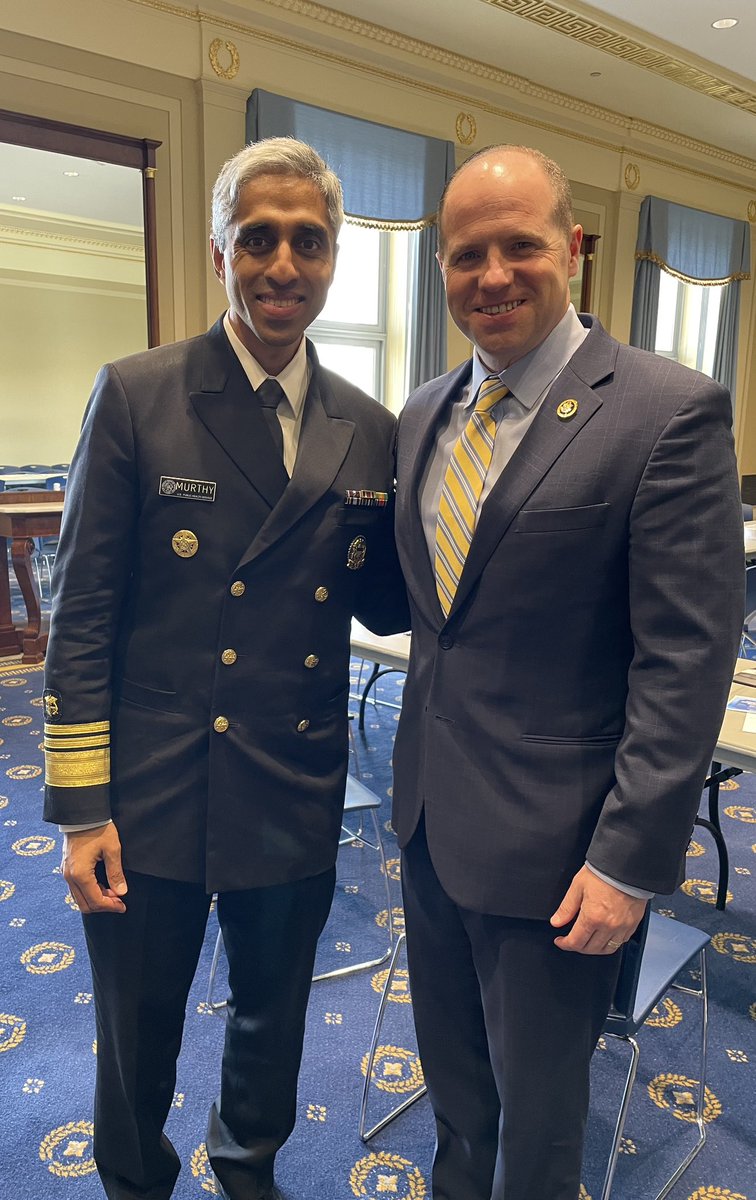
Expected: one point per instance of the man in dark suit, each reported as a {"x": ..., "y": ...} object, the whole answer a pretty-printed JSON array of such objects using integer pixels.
[
  {"x": 569, "y": 526},
  {"x": 229, "y": 508}
]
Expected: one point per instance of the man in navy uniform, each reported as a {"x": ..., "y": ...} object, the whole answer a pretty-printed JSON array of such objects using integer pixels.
[{"x": 229, "y": 508}]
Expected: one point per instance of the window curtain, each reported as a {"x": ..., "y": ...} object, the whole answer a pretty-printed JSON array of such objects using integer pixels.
[
  {"x": 392, "y": 179},
  {"x": 697, "y": 247}
]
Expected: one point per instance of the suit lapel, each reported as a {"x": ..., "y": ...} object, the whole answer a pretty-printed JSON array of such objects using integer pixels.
[
  {"x": 546, "y": 439},
  {"x": 324, "y": 443},
  {"x": 226, "y": 408}
]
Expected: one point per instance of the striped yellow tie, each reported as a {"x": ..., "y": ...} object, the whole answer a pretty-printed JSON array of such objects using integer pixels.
[{"x": 463, "y": 484}]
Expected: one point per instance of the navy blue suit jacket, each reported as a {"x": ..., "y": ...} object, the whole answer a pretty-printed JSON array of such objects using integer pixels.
[{"x": 569, "y": 705}]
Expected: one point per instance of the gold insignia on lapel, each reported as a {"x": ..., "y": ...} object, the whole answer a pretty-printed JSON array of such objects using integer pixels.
[
  {"x": 185, "y": 543},
  {"x": 357, "y": 553},
  {"x": 567, "y": 409}
]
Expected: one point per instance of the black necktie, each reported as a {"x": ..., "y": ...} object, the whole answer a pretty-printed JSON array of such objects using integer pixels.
[{"x": 270, "y": 394}]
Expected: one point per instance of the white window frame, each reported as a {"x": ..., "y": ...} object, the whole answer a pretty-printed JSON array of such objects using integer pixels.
[
  {"x": 390, "y": 335},
  {"x": 689, "y": 338}
]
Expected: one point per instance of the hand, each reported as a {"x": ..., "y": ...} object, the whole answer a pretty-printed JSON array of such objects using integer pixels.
[
  {"x": 81, "y": 853},
  {"x": 604, "y": 916}
]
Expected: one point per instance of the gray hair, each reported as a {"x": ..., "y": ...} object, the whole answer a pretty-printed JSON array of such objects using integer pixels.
[
  {"x": 273, "y": 156},
  {"x": 562, "y": 214}
]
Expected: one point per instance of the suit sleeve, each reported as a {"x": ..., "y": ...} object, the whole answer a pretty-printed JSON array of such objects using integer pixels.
[
  {"x": 92, "y": 568},
  {"x": 686, "y": 581}
]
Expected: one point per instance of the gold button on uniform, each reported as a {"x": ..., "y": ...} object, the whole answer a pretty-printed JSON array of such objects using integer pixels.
[
  {"x": 228, "y": 657},
  {"x": 238, "y": 588},
  {"x": 321, "y": 594},
  {"x": 220, "y": 724},
  {"x": 312, "y": 660},
  {"x": 302, "y": 726}
]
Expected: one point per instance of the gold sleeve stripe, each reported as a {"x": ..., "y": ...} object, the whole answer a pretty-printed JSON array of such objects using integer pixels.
[
  {"x": 73, "y": 730},
  {"x": 78, "y": 743},
  {"x": 78, "y": 769}
]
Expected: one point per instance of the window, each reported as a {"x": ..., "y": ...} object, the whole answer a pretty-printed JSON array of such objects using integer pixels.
[
  {"x": 687, "y": 321},
  {"x": 363, "y": 331}
]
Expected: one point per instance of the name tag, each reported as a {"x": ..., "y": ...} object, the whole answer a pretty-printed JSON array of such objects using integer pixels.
[{"x": 187, "y": 489}]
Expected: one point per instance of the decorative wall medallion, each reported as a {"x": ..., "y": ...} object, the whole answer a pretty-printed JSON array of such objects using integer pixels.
[
  {"x": 632, "y": 176},
  {"x": 751, "y": 210},
  {"x": 466, "y": 128},
  {"x": 220, "y": 49}
]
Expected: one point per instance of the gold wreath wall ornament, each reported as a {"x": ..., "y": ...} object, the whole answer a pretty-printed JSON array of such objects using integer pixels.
[
  {"x": 217, "y": 46},
  {"x": 751, "y": 210},
  {"x": 466, "y": 128},
  {"x": 632, "y": 176}
]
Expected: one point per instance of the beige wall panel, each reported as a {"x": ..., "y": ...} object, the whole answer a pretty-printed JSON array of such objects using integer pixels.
[{"x": 45, "y": 392}]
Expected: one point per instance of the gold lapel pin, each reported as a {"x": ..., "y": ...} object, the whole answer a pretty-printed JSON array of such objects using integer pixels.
[{"x": 567, "y": 409}]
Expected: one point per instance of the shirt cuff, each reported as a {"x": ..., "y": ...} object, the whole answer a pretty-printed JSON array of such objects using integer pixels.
[
  {"x": 80, "y": 828},
  {"x": 627, "y": 888}
]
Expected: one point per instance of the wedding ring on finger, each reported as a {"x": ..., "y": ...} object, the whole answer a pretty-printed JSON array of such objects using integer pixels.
[{"x": 613, "y": 945}]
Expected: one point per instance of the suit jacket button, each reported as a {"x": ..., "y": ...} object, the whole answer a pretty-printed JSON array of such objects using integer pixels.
[
  {"x": 220, "y": 724},
  {"x": 228, "y": 657},
  {"x": 312, "y": 660},
  {"x": 321, "y": 594},
  {"x": 446, "y": 642},
  {"x": 302, "y": 726},
  {"x": 238, "y": 588}
]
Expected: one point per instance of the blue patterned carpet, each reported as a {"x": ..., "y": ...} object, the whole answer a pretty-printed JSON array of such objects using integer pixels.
[{"x": 47, "y": 1021}]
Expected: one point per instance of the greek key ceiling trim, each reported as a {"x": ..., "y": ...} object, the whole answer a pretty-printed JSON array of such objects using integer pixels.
[
  {"x": 581, "y": 29},
  {"x": 627, "y": 125}
]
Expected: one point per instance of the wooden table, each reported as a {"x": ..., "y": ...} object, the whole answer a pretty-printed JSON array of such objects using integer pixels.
[{"x": 24, "y": 516}]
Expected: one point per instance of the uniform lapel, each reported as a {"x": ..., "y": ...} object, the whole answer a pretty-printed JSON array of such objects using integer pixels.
[
  {"x": 324, "y": 443},
  {"x": 226, "y": 408},
  {"x": 546, "y": 439}
]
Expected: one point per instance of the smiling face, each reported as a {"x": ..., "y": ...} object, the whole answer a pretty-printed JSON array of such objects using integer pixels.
[
  {"x": 277, "y": 265},
  {"x": 506, "y": 262}
]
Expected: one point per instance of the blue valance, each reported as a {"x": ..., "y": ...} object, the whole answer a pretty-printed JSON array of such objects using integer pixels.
[
  {"x": 391, "y": 178},
  {"x": 697, "y": 247}
]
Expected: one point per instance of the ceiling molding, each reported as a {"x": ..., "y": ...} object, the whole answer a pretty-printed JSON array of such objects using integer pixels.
[
  {"x": 471, "y": 67},
  {"x": 592, "y": 33}
]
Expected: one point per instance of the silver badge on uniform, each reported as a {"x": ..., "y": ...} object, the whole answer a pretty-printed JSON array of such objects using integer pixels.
[{"x": 357, "y": 553}]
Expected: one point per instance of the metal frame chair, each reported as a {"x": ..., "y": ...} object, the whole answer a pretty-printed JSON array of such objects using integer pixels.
[
  {"x": 652, "y": 960},
  {"x": 367, "y": 1134},
  {"x": 359, "y": 801},
  {"x": 669, "y": 947},
  {"x": 747, "y": 640}
]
